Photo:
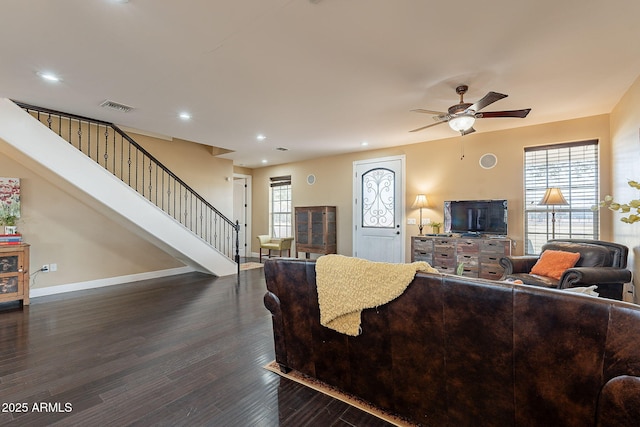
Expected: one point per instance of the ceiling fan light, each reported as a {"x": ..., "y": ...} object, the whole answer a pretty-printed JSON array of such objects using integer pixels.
[{"x": 462, "y": 123}]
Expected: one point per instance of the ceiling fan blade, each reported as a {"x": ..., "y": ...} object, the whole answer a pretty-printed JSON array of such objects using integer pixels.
[
  {"x": 488, "y": 99},
  {"x": 513, "y": 113},
  {"x": 422, "y": 110},
  {"x": 427, "y": 126},
  {"x": 467, "y": 132}
]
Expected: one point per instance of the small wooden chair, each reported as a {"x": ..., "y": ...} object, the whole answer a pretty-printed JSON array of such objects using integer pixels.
[{"x": 278, "y": 244}]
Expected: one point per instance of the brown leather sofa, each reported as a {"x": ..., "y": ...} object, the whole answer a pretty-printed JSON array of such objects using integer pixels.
[
  {"x": 601, "y": 263},
  {"x": 458, "y": 351}
]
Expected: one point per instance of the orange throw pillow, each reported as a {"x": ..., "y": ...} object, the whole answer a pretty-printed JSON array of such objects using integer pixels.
[{"x": 554, "y": 263}]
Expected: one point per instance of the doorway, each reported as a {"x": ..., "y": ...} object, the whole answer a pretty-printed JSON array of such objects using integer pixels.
[
  {"x": 378, "y": 194},
  {"x": 242, "y": 211}
]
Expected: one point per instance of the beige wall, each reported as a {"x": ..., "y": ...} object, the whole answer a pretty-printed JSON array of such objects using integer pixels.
[
  {"x": 625, "y": 153},
  {"x": 194, "y": 164},
  {"x": 84, "y": 243},
  {"x": 436, "y": 169},
  {"x": 87, "y": 245},
  {"x": 242, "y": 170}
]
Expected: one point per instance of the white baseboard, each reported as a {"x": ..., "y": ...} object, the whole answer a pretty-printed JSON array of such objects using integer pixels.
[
  {"x": 111, "y": 281},
  {"x": 629, "y": 293}
]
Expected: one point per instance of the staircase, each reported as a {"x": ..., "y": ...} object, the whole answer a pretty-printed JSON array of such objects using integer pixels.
[{"x": 114, "y": 173}]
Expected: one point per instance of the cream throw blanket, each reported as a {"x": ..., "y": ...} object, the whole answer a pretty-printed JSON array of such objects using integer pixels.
[{"x": 347, "y": 285}]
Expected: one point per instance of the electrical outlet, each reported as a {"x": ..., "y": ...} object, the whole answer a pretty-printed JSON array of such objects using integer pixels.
[
  {"x": 53, "y": 267},
  {"x": 45, "y": 268}
]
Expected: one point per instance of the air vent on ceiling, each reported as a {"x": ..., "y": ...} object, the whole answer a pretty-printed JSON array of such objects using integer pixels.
[
  {"x": 282, "y": 149},
  {"x": 116, "y": 106}
]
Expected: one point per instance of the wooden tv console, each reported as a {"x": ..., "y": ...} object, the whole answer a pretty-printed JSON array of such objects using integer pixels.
[{"x": 480, "y": 256}]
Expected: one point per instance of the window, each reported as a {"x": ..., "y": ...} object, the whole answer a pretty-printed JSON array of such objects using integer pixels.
[
  {"x": 378, "y": 198},
  {"x": 572, "y": 167},
  {"x": 280, "y": 206}
]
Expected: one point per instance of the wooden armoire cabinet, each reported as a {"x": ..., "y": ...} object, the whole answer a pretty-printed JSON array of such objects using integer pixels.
[
  {"x": 14, "y": 273},
  {"x": 316, "y": 229}
]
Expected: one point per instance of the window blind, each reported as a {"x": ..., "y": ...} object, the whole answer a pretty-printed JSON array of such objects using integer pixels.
[
  {"x": 277, "y": 181},
  {"x": 572, "y": 167}
]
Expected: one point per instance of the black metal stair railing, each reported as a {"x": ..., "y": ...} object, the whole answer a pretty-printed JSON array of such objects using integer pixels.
[{"x": 114, "y": 150}]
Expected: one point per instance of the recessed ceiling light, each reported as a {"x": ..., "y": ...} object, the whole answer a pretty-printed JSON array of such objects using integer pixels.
[
  {"x": 50, "y": 77},
  {"x": 264, "y": 161},
  {"x": 364, "y": 143},
  {"x": 185, "y": 116},
  {"x": 261, "y": 137}
]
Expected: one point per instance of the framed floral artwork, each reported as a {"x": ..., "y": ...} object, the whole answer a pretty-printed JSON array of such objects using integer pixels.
[{"x": 9, "y": 197}]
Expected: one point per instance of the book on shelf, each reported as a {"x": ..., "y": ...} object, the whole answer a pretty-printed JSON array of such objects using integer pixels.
[{"x": 10, "y": 239}]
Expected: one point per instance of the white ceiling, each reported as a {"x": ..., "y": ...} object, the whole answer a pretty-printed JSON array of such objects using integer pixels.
[{"x": 317, "y": 77}]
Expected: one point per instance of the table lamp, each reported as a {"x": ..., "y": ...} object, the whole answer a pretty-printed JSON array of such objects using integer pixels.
[
  {"x": 420, "y": 202},
  {"x": 553, "y": 197}
]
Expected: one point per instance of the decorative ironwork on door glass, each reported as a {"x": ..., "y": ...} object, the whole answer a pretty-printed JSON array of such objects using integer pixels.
[{"x": 378, "y": 198}]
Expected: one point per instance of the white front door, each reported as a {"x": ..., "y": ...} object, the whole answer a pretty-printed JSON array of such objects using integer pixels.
[{"x": 379, "y": 209}]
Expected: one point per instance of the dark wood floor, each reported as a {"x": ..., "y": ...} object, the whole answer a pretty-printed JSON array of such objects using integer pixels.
[{"x": 185, "y": 350}]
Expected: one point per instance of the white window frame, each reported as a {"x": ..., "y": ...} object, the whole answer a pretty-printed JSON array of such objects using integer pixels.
[
  {"x": 280, "y": 207},
  {"x": 574, "y": 168}
]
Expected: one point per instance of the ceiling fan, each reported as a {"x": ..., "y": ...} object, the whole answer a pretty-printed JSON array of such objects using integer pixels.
[{"x": 463, "y": 115}]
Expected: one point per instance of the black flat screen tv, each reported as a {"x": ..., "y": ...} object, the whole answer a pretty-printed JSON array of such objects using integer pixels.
[{"x": 476, "y": 217}]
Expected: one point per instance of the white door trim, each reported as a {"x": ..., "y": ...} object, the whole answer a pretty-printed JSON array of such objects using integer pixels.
[{"x": 248, "y": 211}]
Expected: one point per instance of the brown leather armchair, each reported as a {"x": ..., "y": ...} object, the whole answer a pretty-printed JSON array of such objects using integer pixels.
[{"x": 601, "y": 263}]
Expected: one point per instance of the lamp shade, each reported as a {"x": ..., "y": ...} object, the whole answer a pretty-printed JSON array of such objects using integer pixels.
[
  {"x": 462, "y": 123},
  {"x": 553, "y": 196},
  {"x": 420, "y": 202}
]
